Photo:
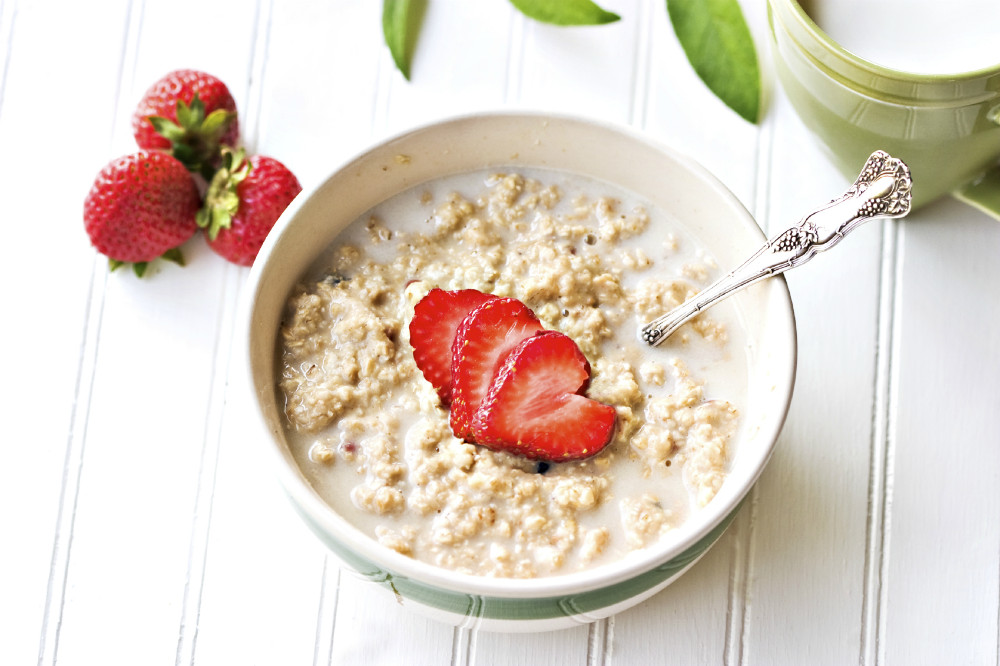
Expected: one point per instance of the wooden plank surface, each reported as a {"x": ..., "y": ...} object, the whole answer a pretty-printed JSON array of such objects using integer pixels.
[
  {"x": 140, "y": 522},
  {"x": 50, "y": 298},
  {"x": 941, "y": 561}
]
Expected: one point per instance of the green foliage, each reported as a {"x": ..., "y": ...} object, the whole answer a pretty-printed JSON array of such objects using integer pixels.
[
  {"x": 713, "y": 34},
  {"x": 718, "y": 44},
  {"x": 565, "y": 12},
  {"x": 401, "y": 21}
]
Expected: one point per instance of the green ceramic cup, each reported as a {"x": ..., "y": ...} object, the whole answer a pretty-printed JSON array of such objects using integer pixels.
[{"x": 945, "y": 127}]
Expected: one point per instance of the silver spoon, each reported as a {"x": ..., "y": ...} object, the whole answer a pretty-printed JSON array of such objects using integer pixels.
[{"x": 882, "y": 190}]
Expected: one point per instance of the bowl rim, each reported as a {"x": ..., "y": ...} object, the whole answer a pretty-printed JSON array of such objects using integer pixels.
[{"x": 321, "y": 514}]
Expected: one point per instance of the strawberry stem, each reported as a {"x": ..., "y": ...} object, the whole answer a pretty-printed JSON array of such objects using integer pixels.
[
  {"x": 195, "y": 139},
  {"x": 221, "y": 200}
]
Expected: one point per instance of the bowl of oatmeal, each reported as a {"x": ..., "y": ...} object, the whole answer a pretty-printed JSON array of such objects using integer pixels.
[{"x": 595, "y": 229}]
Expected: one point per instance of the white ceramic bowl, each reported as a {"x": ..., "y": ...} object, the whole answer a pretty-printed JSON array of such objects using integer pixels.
[{"x": 708, "y": 211}]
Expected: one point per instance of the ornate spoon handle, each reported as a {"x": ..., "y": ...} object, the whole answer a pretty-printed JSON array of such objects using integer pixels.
[{"x": 881, "y": 190}]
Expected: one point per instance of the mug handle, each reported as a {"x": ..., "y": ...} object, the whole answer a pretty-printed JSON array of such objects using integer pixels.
[{"x": 983, "y": 193}]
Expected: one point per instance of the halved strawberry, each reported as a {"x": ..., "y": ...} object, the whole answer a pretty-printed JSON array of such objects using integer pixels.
[
  {"x": 534, "y": 407},
  {"x": 432, "y": 330},
  {"x": 482, "y": 341}
]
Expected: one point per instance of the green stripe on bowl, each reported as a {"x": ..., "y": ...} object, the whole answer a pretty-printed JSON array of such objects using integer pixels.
[{"x": 498, "y": 608}]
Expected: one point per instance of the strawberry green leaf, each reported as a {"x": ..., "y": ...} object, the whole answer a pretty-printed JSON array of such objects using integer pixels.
[
  {"x": 174, "y": 255},
  {"x": 167, "y": 128},
  {"x": 229, "y": 200},
  {"x": 114, "y": 264},
  {"x": 718, "y": 44},
  {"x": 195, "y": 139},
  {"x": 400, "y": 24},
  {"x": 190, "y": 116},
  {"x": 218, "y": 220},
  {"x": 139, "y": 268},
  {"x": 222, "y": 201},
  {"x": 565, "y": 12},
  {"x": 216, "y": 123}
]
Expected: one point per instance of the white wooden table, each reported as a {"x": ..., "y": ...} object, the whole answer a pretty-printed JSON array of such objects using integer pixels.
[{"x": 138, "y": 523}]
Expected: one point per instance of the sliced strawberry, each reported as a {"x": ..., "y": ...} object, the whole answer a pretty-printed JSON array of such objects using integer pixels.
[
  {"x": 481, "y": 343},
  {"x": 534, "y": 406},
  {"x": 432, "y": 330}
]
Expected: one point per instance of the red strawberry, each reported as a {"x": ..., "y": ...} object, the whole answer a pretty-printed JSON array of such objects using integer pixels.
[
  {"x": 481, "y": 342},
  {"x": 244, "y": 200},
  {"x": 140, "y": 207},
  {"x": 535, "y": 407},
  {"x": 432, "y": 330},
  {"x": 190, "y": 113}
]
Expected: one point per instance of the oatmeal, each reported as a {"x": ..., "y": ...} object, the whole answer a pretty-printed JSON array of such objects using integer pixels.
[{"x": 373, "y": 438}]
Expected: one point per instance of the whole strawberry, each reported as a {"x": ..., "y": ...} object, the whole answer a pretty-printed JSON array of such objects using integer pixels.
[
  {"x": 140, "y": 207},
  {"x": 244, "y": 200},
  {"x": 189, "y": 113}
]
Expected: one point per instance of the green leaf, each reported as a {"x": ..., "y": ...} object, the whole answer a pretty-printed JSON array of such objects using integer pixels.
[
  {"x": 114, "y": 264},
  {"x": 139, "y": 268},
  {"x": 400, "y": 24},
  {"x": 216, "y": 123},
  {"x": 168, "y": 129},
  {"x": 222, "y": 201},
  {"x": 190, "y": 117},
  {"x": 174, "y": 255},
  {"x": 218, "y": 220},
  {"x": 195, "y": 138},
  {"x": 717, "y": 42},
  {"x": 229, "y": 200},
  {"x": 565, "y": 12}
]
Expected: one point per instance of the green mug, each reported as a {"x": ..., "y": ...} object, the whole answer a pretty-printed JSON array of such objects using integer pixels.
[{"x": 946, "y": 128}]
